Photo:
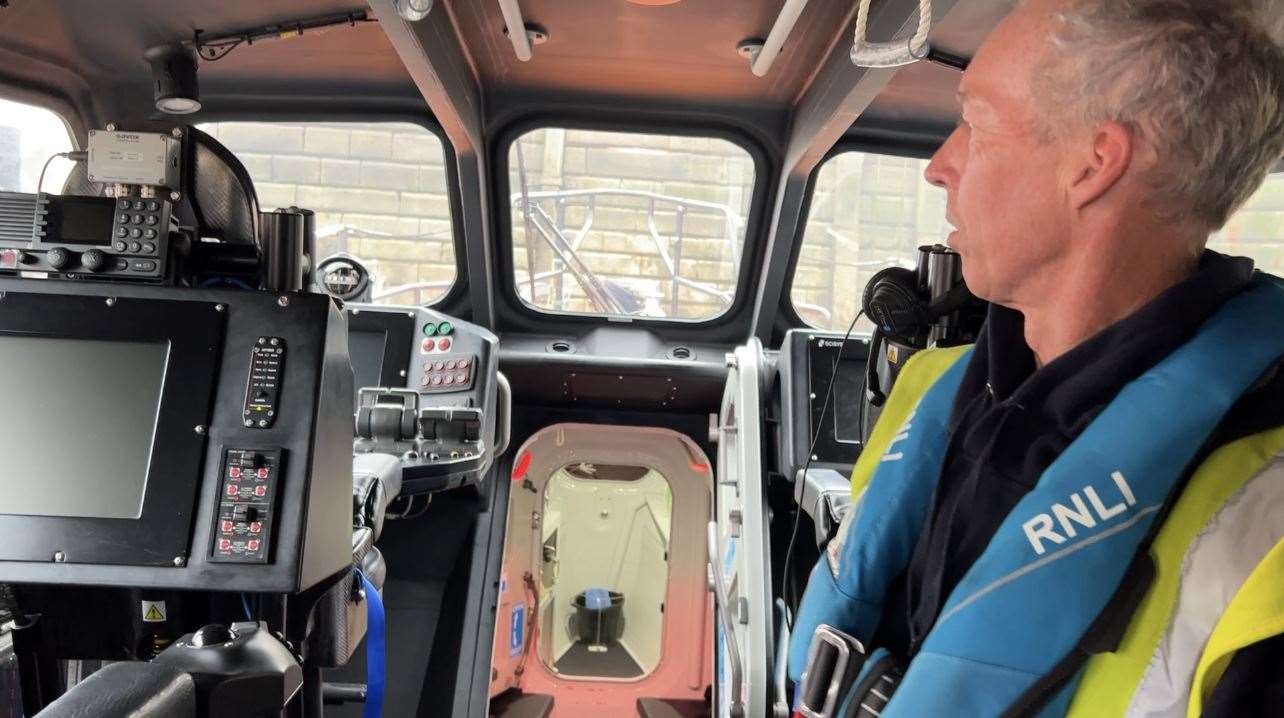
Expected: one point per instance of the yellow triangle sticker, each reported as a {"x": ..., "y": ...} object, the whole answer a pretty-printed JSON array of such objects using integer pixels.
[{"x": 154, "y": 611}]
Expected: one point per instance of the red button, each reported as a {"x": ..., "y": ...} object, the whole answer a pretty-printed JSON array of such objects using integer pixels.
[
  {"x": 8, "y": 259},
  {"x": 234, "y": 472},
  {"x": 232, "y": 490},
  {"x": 263, "y": 473},
  {"x": 427, "y": 345},
  {"x": 443, "y": 344},
  {"x": 224, "y": 544},
  {"x": 256, "y": 527},
  {"x": 260, "y": 491},
  {"x": 252, "y": 545},
  {"x": 227, "y": 526}
]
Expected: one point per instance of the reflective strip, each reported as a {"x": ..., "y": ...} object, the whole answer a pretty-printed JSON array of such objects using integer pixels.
[{"x": 1218, "y": 562}]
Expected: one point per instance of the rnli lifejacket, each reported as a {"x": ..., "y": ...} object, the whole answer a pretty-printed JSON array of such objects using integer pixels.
[{"x": 1035, "y": 626}]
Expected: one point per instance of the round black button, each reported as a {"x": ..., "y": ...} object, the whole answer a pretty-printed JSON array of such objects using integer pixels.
[
  {"x": 153, "y": 206},
  {"x": 123, "y": 218},
  {"x": 94, "y": 260},
  {"x": 138, "y": 205},
  {"x": 119, "y": 246},
  {"x": 138, "y": 219},
  {"x": 135, "y": 247},
  {"x": 148, "y": 248},
  {"x": 123, "y": 204},
  {"x": 150, "y": 234},
  {"x": 58, "y": 258},
  {"x": 151, "y": 219},
  {"x": 122, "y": 232},
  {"x": 135, "y": 233}
]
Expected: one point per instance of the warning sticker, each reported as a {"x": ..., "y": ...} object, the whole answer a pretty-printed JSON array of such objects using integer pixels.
[{"x": 154, "y": 612}]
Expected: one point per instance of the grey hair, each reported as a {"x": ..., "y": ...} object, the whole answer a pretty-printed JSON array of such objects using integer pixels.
[{"x": 1199, "y": 81}]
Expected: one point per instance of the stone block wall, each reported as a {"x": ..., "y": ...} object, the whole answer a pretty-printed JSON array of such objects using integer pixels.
[{"x": 379, "y": 192}]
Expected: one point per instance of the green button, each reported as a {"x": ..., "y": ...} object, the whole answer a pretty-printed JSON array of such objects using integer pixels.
[
  {"x": 445, "y": 328},
  {"x": 430, "y": 329}
]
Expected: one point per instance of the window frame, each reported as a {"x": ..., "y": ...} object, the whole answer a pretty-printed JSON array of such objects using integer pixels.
[
  {"x": 787, "y": 310},
  {"x": 751, "y": 255},
  {"x": 459, "y": 289}
]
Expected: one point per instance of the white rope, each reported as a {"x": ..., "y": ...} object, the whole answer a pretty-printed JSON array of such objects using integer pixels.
[{"x": 890, "y": 54}]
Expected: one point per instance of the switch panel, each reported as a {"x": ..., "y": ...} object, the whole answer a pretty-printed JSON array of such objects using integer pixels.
[
  {"x": 448, "y": 373},
  {"x": 247, "y": 505},
  {"x": 263, "y": 389}
]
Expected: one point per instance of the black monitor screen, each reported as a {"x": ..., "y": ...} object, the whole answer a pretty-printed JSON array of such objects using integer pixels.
[
  {"x": 848, "y": 400},
  {"x": 83, "y": 220},
  {"x": 77, "y": 424},
  {"x": 366, "y": 349}
]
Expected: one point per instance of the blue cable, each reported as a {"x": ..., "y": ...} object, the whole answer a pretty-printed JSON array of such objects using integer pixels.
[
  {"x": 375, "y": 658},
  {"x": 245, "y": 603}
]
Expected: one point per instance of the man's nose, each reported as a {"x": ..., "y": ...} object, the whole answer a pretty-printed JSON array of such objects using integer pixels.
[{"x": 942, "y": 170}]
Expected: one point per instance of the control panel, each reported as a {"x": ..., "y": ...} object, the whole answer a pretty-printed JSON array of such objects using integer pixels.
[
  {"x": 442, "y": 419},
  {"x": 263, "y": 388},
  {"x": 246, "y": 505},
  {"x": 123, "y": 238}
]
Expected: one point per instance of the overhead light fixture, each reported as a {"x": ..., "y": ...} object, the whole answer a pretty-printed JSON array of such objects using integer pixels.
[
  {"x": 413, "y": 10},
  {"x": 763, "y": 56},
  {"x": 174, "y": 85}
]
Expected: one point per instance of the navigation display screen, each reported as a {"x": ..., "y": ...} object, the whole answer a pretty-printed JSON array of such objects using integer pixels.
[{"x": 77, "y": 425}]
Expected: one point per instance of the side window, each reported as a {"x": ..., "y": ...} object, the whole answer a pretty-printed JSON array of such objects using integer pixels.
[
  {"x": 379, "y": 191},
  {"x": 628, "y": 224},
  {"x": 29, "y": 136},
  {"x": 1257, "y": 229},
  {"x": 868, "y": 212}
]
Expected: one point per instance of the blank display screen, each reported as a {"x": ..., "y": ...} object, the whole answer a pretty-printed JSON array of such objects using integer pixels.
[
  {"x": 365, "y": 348},
  {"x": 77, "y": 424}
]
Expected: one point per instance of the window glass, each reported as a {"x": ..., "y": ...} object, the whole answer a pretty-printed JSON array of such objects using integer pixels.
[
  {"x": 379, "y": 191},
  {"x": 29, "y": 136},
  {"x": 1257, "y": 229},
  {"x": 868, "y": 212},
  {"x": 627, "y": 224}
]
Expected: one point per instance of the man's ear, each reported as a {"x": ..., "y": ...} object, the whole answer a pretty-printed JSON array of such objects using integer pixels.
[{"x": 1102, "y": 165}]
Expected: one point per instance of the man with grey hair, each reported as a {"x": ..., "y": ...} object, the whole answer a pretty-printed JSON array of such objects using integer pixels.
[{"x": 1083, "y": 513}]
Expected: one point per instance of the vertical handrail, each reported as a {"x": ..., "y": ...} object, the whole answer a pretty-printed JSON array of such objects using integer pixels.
[{"x": 725, "y": 620}]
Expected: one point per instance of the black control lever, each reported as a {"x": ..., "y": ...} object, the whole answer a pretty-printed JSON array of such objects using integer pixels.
[{"x": 240, "y": 671}]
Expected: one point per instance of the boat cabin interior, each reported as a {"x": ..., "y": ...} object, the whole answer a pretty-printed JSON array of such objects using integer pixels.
[{"x": 455, "y": 357}]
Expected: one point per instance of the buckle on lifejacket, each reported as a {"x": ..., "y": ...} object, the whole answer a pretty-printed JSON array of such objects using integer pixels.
[{"x": 833, "y": 661}]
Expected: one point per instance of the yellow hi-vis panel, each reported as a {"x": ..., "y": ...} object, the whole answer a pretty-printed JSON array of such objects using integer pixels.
[
  {"x": 918, "y": 375},
  {"x": 1111, "y": 679}
]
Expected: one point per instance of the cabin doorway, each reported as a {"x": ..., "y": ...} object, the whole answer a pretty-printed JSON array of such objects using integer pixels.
[{"x": 603, "y": 593}]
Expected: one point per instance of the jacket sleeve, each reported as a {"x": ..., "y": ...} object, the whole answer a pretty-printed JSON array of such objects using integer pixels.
[{"x": 1253, "y": 684}]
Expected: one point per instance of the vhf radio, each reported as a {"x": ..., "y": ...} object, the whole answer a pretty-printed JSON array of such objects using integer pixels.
[{"x": 120, "y": 237}]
